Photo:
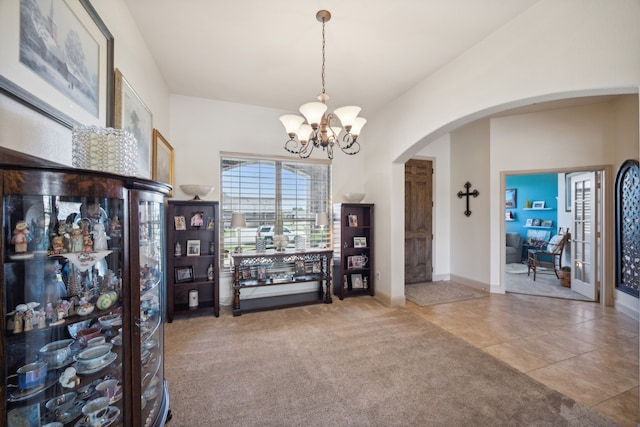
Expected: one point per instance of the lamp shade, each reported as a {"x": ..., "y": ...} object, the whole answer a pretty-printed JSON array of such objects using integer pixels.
[
  {"x": 238, "y": 220},
  {"x": 291, "y": 122},
  {"x": 322, "y": 219},
  {"x": 358, "y": 124},
  {"x": 347, "y": 115},
  {"x": 313, "y": 111},
  {"x": 304, "y": 132}
]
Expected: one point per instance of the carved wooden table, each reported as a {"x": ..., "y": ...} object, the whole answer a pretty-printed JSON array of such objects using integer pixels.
[{"x": 271, "y": 268}]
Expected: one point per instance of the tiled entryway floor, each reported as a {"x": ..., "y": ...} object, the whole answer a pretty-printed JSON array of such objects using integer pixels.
[{"x": 581, "y": 349}]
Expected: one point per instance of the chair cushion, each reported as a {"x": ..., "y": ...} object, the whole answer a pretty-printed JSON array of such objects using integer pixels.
[
  {"x": 554, "y": 243},
  {"x": 513, "y": 240}
]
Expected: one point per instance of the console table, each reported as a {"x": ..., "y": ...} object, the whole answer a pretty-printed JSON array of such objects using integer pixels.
[{"x": 271, "y": 268}]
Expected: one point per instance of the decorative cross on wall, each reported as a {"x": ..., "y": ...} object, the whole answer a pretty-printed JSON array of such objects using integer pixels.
[{"x": 473, "y": 193}]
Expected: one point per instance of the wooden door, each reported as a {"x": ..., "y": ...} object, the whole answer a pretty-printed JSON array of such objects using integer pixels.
[{"x": 418, "y": 207}]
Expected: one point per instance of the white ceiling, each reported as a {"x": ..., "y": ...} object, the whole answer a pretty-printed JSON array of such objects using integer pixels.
[{"x": 268, "y": 52}]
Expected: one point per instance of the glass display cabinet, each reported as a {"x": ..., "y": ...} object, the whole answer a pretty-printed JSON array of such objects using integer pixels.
[{"x": 83, "y": 278}]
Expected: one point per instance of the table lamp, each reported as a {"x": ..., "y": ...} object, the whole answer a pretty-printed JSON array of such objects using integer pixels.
[
  {"x": 322, "y": 220},
  {"x": 238, "y": 221}
]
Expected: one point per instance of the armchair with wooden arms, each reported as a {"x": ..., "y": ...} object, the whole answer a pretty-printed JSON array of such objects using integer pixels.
[{"x": 547, "y": 256}]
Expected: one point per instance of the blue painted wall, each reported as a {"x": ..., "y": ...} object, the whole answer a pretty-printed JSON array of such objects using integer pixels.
[{"x": 538, "y": 187}]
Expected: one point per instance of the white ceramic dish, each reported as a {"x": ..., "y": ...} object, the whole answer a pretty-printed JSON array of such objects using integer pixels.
[{"x": 93, "y": 356}]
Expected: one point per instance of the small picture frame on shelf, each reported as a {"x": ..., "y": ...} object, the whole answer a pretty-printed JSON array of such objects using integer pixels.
[
  {"x": 359, "y": 242},
  {"x": 299, "y": 267},
  {"x": 536, "y": 222},
  {"x": 356, "y": 281},
  {"x": 183, "y": 274},
  {"x": 537, "y": 204},
  {"x": 355, "y": 261},
  {"x": 353, "y": 220},
  {"x": 316, "y": 267},
  {"x": 179, "y": 222},
  {"x": 262, "y": 272},
  {"x": 245, "y": 273},
  {"x": 211, "y": 223},
  {"x": 546, "y": 223},
  {"x": 193, "y": 247},
  {"x": 197, "y": 219},
  {"x": 529, "y": 222}
]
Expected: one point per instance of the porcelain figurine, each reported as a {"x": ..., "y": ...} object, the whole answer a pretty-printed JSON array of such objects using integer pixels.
[
  {"x": 28, "y": 320},
  {"x": 17, "y": 322},
  {"x": 21, "y": 237},
  {"x": 75, "y": 240},
  {"x": 87, "y": 243},
  {"x": 100, "y": 238}
]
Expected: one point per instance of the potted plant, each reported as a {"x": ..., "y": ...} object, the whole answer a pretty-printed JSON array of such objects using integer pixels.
[{"x": 565, "y": 276}]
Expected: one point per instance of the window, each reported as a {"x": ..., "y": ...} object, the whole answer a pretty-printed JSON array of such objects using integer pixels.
[{"x": 277, "y": 196}]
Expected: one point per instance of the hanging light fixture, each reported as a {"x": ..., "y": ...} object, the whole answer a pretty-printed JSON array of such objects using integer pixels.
[{"x": 338, "y": 129}]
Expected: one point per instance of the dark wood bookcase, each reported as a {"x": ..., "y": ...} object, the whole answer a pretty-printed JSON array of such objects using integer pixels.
[
  {"x": 195, "y": 267},
  {"x": 353, "y": 259}
]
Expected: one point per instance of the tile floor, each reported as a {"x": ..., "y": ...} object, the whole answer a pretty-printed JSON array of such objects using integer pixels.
[{"x": 583, "y": 350}]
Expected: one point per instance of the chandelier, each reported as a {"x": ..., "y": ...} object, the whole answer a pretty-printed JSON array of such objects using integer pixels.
[{"x": 338, "y": 129}]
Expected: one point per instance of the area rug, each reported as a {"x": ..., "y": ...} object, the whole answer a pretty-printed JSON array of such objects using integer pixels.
[
  {"x": 546, "y": 285},
  {"x": 431, "y": 293},
  {"x": 355, "y": 362}
]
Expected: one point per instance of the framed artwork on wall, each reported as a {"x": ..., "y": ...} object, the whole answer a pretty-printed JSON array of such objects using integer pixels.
[
  {"x": 510, "y": 198},
  {"x": 74, "y": 88},
  {"x": 131, "y": 114},
  {"x": 162, "y": 167}
]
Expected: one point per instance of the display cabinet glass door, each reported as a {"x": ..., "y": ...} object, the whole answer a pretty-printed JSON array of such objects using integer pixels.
[
  {"x": 63, "y": 296},
  {"x": 149, "y": 313}
]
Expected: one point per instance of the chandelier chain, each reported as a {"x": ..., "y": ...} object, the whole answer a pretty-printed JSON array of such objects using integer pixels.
[{"x": 323, "y": 42}]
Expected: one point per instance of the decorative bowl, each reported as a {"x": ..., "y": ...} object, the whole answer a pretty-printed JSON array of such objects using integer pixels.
[
  {"x": 31, "y": 375},
  {"x": 354, "y": 197},
  {"x": 280, "y": 241},
  {"x": 108, "y": 320},
  {"x": 196, "y": 190},
  {"x": 61, "y": 404},
  {"x": 77, "y": 327},
  {"x": 93, "y": 356},
  {"x": 56, "y": 353}
]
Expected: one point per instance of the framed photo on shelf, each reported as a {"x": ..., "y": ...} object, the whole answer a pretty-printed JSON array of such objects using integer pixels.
[
  {"x": 356, "y": 281},
  {"x": 162, "y": 167},
  {"x": 529, "y": 222},
  {"x": 537, "y": 204},
  {"x": 180, "y": 222},
  {"x": 193, "y": 247},
  {"x": 197, "y": 219},
  {"x": 246, "y": 273},
  {"x": 211, "y": 223},
  {"x": 299, "y": 267},
  {"x": 536, "y": 222},
  {"x": 262, "y": 272},
  {"x": 546, "y": 223},
  {"x": 353, "y": 220},
  {"x": 131, "y": 114},
  {"x": 316, "y": 267},
  {"x": 75, "y": 88},
  {"x": 355, "y": 261},
  {"x": 183, "y": 274},
  {"x": 510, "y": 198},
  {"x": 359, "y": 242}
]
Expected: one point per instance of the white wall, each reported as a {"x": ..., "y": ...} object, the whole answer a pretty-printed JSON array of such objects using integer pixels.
[{"x": 553, "y": 50}]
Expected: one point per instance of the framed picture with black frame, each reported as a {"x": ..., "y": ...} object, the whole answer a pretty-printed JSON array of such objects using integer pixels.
[{"x": 183, "y": 274}]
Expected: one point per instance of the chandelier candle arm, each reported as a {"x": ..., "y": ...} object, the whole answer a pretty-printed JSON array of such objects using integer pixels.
[{"x": 322, "y": 129}]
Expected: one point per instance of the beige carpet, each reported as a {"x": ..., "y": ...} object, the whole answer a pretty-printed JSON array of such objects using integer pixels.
[
  {"x": 431, "y": 293},
  {"x": 351, "y": 363}
]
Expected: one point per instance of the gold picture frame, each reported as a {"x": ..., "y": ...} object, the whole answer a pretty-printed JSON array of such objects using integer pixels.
[
  {"x": 162, "y": 165},
  {"x": 131, "y": 114}
]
